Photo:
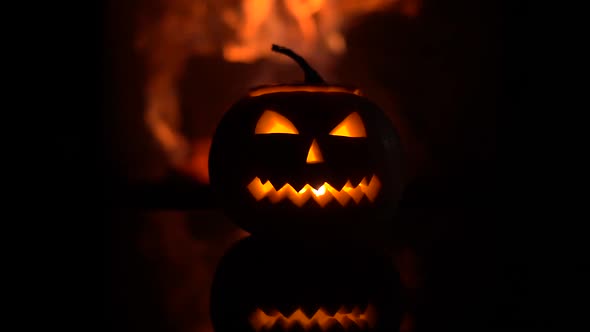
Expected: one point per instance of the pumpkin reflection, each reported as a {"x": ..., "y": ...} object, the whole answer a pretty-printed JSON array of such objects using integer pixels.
[
  {"x": 355, "y": 318},
  {"x": 268, "y": 284}
]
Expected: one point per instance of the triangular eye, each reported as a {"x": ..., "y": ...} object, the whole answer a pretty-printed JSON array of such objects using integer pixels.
[
  {"x": 273, "y": 123},
  {"x": 352, "y": 126}
]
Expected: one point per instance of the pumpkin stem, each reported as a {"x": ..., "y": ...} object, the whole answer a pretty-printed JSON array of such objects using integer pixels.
[{"x": 311, "y": 76}]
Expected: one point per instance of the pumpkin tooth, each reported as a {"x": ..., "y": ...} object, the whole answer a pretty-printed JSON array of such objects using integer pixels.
[
  {"x": 258, "y": 319},
  {"x": 319, "y": 183},
  {"x": 301, "y": 197},
  {"x": 336, "y": 181},
  {"x": 340, "y": 196},
  {"x": 363, "y": 182},
  {"x": 268, "y": 310},
  {"x": 310, "y": 310},
  {"x": 320, "y": 316},
  {"x": 259, "y": 190},
  {"x": 292, "y": 311},
  {"x": 340, "y": 314},
  {"x": 330, "y": 324},
  {"x": 346, "y": 322},
  {"x": 277, "y": 195},
  {"x": 298, "y": 185},
  {"x": 347, "y": 184},
  {"x": 356, "y": 179},
  {"x": 298, "y": 316},
  {"x": 278, "y": 183},
  {"x": 322, "y": 196},
  {"x": 355, "y": 192},
  {"x": 281, "y": 323},
  {"x": 372, "y": 188},
  {"x": 263, "y": 322}
]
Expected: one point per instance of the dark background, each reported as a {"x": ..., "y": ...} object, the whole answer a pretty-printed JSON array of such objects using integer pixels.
[{"x": 452, "y": 70}]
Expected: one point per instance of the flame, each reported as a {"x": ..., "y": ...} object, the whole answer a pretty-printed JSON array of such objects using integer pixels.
[
  {"x": 239, "y": 31},
  {"x": 261, "y": 321},
  {"x": 305, "y": 25},
  {"x": 323, "y": 195}
]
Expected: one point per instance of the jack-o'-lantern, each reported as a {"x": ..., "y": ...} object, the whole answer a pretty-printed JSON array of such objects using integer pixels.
[
  {"x": 292, "y": 158},
  {"x": 271, "y": 285}
]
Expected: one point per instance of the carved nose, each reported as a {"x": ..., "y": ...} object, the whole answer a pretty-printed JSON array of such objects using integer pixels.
[{"x": 314, "y": 155}]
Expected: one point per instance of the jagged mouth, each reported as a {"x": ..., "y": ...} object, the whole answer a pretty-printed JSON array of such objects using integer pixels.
[
  {"x": 322, "y": 195},
  {"x": 321, "y": 320}
]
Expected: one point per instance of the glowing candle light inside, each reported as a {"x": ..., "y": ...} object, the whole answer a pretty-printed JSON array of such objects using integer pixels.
[{"x": 320, "y": 191}]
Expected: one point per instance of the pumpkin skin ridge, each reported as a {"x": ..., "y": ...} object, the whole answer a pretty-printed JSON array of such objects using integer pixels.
[{"x": 268, "y": 89}]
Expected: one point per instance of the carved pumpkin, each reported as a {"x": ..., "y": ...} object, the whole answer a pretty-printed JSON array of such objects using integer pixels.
[
  {"x": 288, "y": 159},
  {"x": 271, "y": 285}
]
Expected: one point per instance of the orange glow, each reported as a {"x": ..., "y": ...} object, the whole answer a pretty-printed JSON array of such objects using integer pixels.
[
  {"x": 322, "y": 195},
  {"x": 301, "y": 88},
  {"x": 197, "y": 166},
  {"x": 305, "y": 25},
  {"x": 262, "y": 321},
  {"x": 352, "y": 126},
  {"x": 241, "y": 31},
  {"x": 273, "y": 123},
  {"x": 314, "y": 155}
]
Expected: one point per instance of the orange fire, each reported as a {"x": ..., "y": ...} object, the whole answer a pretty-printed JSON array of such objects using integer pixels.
[
  {"x": 262, "y": 321},
  {"x": 240, "y": 31},
  {"x": 304, "y": 25}
]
